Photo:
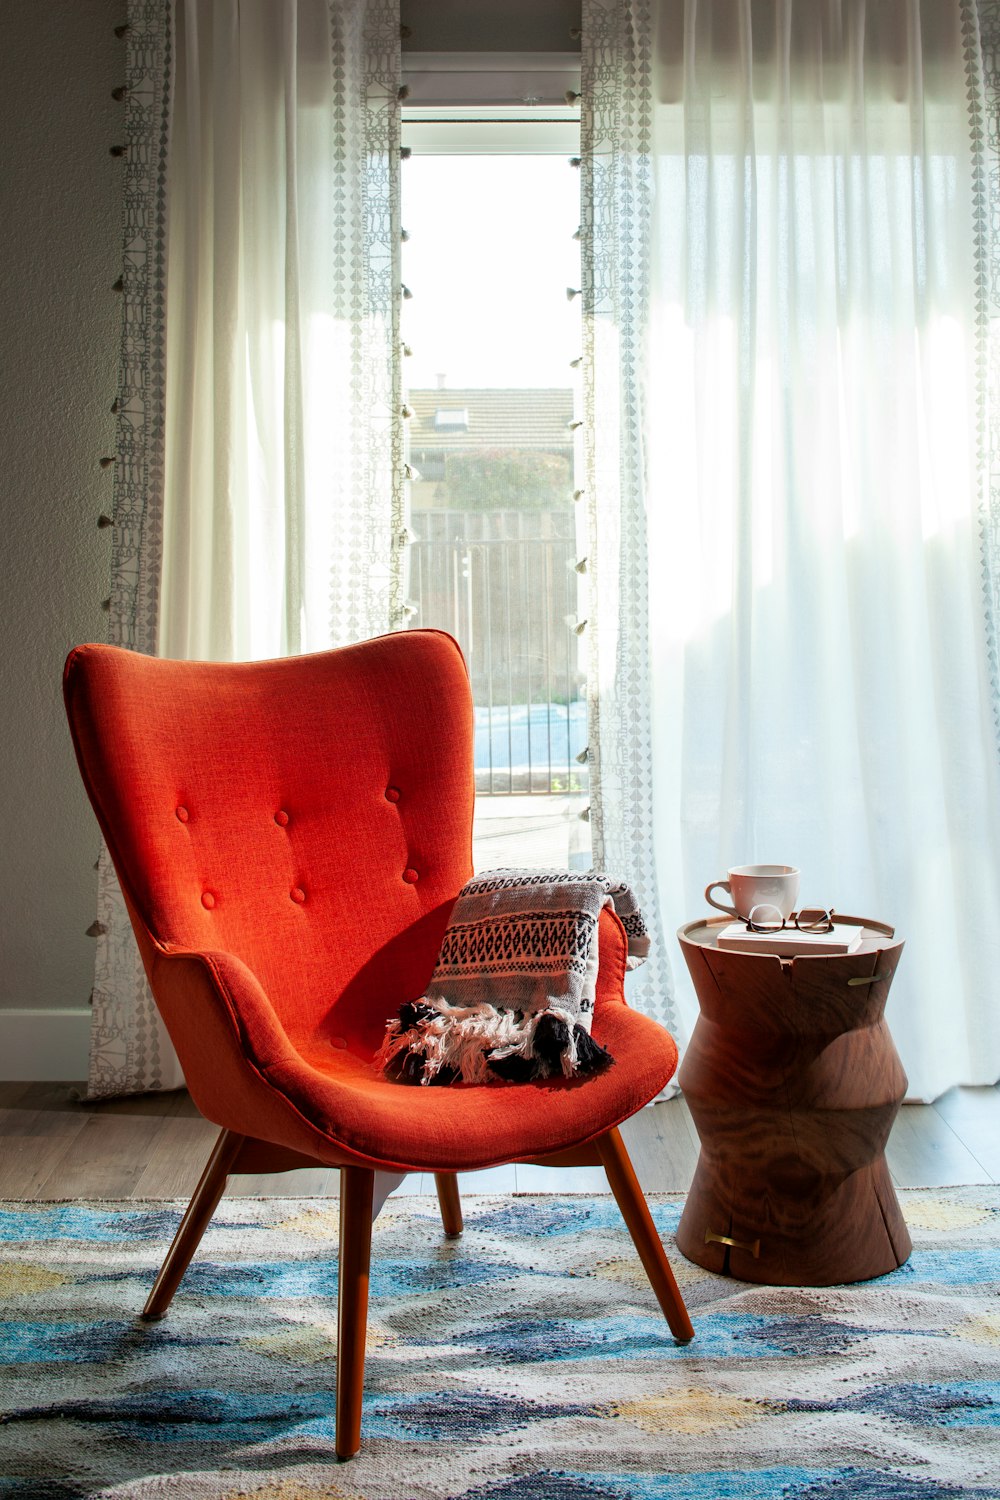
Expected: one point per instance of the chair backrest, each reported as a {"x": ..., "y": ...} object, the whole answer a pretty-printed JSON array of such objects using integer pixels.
[{"x": 312, "y": 815}]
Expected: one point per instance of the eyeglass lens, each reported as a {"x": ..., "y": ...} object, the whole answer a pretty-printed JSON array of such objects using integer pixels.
[
  {"x": 814, "y": 919},
  {"x": 765, "y": 918}
]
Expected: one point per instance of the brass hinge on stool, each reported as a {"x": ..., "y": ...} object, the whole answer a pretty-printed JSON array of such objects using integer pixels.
[{"x": 723, "y": 1239}]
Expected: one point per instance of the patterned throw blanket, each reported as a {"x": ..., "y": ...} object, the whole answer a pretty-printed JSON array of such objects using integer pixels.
[{"x": 512, "y": 994}]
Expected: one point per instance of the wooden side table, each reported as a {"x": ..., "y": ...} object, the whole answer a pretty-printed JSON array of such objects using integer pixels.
[{"x": 793, "y": 1082}]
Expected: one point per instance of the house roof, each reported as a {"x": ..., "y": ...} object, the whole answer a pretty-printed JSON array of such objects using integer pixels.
[{"x": 472, "y": 418}]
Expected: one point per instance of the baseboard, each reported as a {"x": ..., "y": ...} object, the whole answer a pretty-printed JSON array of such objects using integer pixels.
[{"x": 49, "y": 1046}]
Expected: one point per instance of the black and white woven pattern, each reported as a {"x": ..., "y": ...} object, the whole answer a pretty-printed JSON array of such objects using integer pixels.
[{"x": 512, "y": 994}]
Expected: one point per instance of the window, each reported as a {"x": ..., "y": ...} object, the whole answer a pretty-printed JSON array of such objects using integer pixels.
[
  {"x": 492, "y": 331},
  {"x": 454, "y": 417}
]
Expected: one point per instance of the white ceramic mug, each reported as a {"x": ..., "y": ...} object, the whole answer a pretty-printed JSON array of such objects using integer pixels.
[{"x": 765, "y": 890}]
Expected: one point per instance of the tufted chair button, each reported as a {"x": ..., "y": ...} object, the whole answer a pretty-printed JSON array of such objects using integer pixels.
[
  {"x": 182, "y": 814},
  {"x": 392, "y": 794},
  {"x": 281, "y": 818},
  {"x": 297, "y": 894},
  {"x": 207, "y": 900},
  {"x": 410, "y": 876}
]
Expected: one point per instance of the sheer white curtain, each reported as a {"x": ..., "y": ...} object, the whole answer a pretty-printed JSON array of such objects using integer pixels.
[
  {"x": 282, "y": 394},
  {"x": 257, "y": 498},
  {"x": 785, "y": 228}
]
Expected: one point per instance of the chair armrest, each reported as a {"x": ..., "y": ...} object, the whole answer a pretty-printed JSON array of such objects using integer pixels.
[
  {"x": 612, "y": 953},
  {"x": 237, "y": 1058}
]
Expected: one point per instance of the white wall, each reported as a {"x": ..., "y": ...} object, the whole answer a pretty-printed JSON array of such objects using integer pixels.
[{"x": 60, "y": 237}]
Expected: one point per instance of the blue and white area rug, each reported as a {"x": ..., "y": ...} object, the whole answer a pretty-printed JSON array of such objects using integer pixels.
[{"x": 526, "y": 1361}]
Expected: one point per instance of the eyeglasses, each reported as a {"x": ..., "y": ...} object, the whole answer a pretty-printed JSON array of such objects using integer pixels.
[{"x": 765, "y": 918}]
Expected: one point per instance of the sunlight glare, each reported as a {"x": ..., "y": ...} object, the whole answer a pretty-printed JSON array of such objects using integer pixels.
[{"x": 491, "y": 308}]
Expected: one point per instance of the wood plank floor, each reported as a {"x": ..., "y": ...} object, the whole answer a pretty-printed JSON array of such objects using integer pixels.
[{"x": 154, "y": 1146}]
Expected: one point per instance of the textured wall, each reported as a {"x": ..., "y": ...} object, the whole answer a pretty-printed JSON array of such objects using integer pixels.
[{"x": 59, "y": 255}]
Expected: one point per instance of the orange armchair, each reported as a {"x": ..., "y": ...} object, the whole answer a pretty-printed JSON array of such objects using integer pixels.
[{"x": 290, "y": 837}]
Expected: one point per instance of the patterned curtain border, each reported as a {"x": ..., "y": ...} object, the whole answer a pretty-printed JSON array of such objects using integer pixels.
[
  {"x": 366, "y": 594},
  {"x": 130, "y": 1051},
  {"x": 981, "y": 35},
  {"x": 616, "y": 190},
  {"x": 613, "y": 221},
  {"x": 137, "y": 540},
  {"x": 383, "y": 269}
]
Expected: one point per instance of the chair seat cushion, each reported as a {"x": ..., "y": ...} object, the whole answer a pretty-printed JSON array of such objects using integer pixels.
[{"x": 464, "y": 1127}]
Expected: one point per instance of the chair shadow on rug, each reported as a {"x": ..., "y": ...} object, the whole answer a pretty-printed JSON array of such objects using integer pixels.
[{"x": 290, "y": 837}]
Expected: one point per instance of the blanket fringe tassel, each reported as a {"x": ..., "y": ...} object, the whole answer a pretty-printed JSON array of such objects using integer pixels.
[{"x": 432, "y": 1042}]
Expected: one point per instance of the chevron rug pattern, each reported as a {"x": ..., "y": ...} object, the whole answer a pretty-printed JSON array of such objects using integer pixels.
[{"x": 526, "y": 1361}]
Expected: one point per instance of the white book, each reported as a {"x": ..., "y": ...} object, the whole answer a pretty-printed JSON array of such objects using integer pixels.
[{"x": 789, "y": 942}]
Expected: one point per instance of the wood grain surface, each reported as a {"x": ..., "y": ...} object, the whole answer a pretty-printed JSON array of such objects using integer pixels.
[{"x": 793, "y": 1083}]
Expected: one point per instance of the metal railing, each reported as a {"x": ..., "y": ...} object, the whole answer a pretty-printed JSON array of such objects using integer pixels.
[{"x": 503, "y": 583}]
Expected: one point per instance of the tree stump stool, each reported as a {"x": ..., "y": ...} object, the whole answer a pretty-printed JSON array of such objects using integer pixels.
[{"x": 793, "y": 1083}]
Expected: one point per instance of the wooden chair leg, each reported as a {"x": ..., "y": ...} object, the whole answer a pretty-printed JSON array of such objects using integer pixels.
[
  {"x": 451, "y": 1204},
  {"x": 356, "y": 1189},
  {"x": 629, "y": 1197},
  {"x": 196, "y": 1219}
]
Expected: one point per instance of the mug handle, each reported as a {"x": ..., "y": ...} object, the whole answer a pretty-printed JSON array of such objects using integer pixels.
[{"x": 722, "y": 885}]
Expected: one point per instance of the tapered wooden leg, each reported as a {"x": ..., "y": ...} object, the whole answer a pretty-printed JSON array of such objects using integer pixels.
[
  {"x": 193, "y": 1225},
  {"x": 356, "y": 1188},
  {"x": 451, "y": 1203},
  {"x": 629, "y": 1197}
]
